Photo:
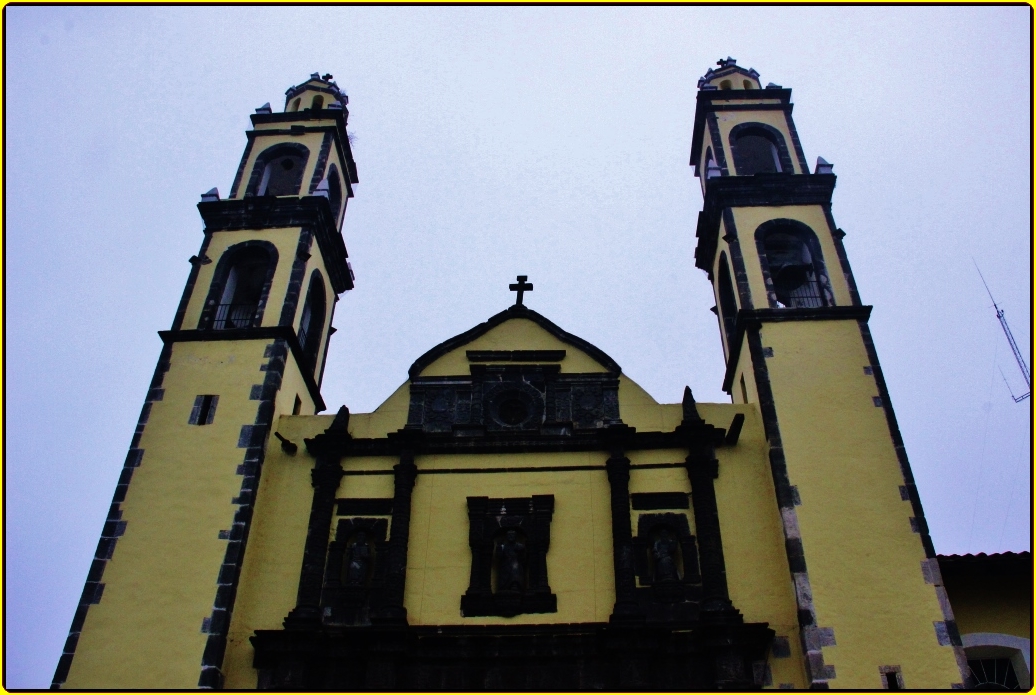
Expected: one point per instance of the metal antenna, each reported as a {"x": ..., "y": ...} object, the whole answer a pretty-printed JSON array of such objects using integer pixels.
[{"x": 1010, "y": 339}]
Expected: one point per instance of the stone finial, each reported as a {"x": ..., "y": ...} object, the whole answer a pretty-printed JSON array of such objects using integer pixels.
[
  {"x": 341, "y": 421},
  {"x": 823, "y": 166},
  {"x": 690, "y": 408},
  {"x": 265, "y": 108},
  {"x": 210, "y": 196}
]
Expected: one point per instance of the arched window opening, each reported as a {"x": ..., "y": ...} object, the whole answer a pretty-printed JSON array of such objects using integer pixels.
[
  {"x": 994, "y": 674},
  {"x": 727, "y": 301},
  {"x": 795, "y": 267},
  {"x": 295, "y": 104},
  {"x": 334, "y": 191},
  {"x": 243, "y": 289},
  {"x": 726, "y": 84},
  {"x": 311, "y": 325},
  {"x": 747, "y": 84},
  {"x": 756, "y": 153},
  {"x": 283, "y": 175},
  {"x": 318, "y": 102}
]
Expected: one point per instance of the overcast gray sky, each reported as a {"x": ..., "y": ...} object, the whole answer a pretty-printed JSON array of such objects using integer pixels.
[{"x": 551, "y": 142}]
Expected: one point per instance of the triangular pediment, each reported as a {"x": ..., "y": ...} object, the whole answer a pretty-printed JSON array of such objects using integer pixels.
[{"x": 517, "y": 334}]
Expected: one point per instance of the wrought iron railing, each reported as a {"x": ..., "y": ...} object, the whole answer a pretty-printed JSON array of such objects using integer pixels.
[{"x": 234, "y": 316}]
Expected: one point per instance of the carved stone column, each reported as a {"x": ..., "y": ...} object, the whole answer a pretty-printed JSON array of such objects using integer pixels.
[
  {"x": 392, "y": 610},
  {"x": 702, "y": 469},
  {"x": 326, "y": 476},
  {"x": 626, "y": 607}
]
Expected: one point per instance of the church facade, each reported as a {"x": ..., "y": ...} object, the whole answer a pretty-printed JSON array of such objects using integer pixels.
[{"x": 519, "y": 514}]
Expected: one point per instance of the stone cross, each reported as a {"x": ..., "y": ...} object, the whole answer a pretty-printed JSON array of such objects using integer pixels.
[{"x": 521, "y": 287}]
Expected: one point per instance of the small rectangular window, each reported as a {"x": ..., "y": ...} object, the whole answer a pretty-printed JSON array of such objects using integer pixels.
[
  {"x": 204, "y": 410},
  {"x": 297, "y": 408},
  {"x": 892, "y": 680}
]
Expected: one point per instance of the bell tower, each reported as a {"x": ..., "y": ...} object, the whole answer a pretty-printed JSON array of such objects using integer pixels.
[
  {"x": 870, "y": 600},
  {"x": 248, "y": 343}
]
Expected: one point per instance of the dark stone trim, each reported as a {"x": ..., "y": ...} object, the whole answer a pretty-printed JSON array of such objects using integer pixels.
[
  {"x": 795, "y": 141},
  {"x": 267, "y": 212},
  {"x": 393, "y": 610},
  {"x": 275, "y": 149},
  {"x": 626, "y": 608},
  {"x": 253, "y": 441},
  {"x": 325, "y": 477},
  {"x": 487, "y": 519},
  {"x": 747, "y": 320},
  {"x": 737, "y": 259},
  {"x": 364, "y": 506},
  {"x": 241, "y": 168},
  {"x": 219, "y": 278},
  {"x": 752, "y": 107},
  {"x": 761, "y": 190},
  {"x": 659, "y": 500},
  {"x": 527, "y": 469},
  {"x": 843, "y": 259},
  {"x": 318, "y": 170},
  {"x": 717, "y": 147},
  {"x": 897, "y": 440},
  {"x": 114, "y": 526},
  {"x": 329, "y": 330},
  {"x": 298, "y": 274},
  {"x": 782, "y": 147},
  {"x": 188, "y": 290},
  {"x": 817, "y": 672},
  {"x": 702, "y": 468},
  {"x": 285, "y": 333},
  {"x": 504, "y": 442},
  {"x": 705, "y": 106},
  {"x": 518, "y": 311},
  {"x": 516, "y": 355},
  {"x": 683, "y": 657}
]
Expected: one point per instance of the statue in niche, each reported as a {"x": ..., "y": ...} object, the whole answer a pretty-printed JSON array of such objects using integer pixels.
[
  {"x": 359, "y": 561},
  {"x": 510, "y": 569},
  {"x": 664, "y": 550}
]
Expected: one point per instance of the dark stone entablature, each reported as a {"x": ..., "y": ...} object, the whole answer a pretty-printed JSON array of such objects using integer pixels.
[
  {"x": 760, "y": 190},
  {"x": 265, "y": 212},
  {"x": 564, "y": 657},
  {"x": 509, "y": 398}
]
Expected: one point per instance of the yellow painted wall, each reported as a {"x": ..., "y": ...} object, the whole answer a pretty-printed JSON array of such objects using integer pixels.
[
  {"x": 748, "y": 221},
  {"x": 273, "y": 557},
  {"x": 161, "y": 580},
  {"x": 864, "y": 561},
  {"x": 579, "y": 564}
]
